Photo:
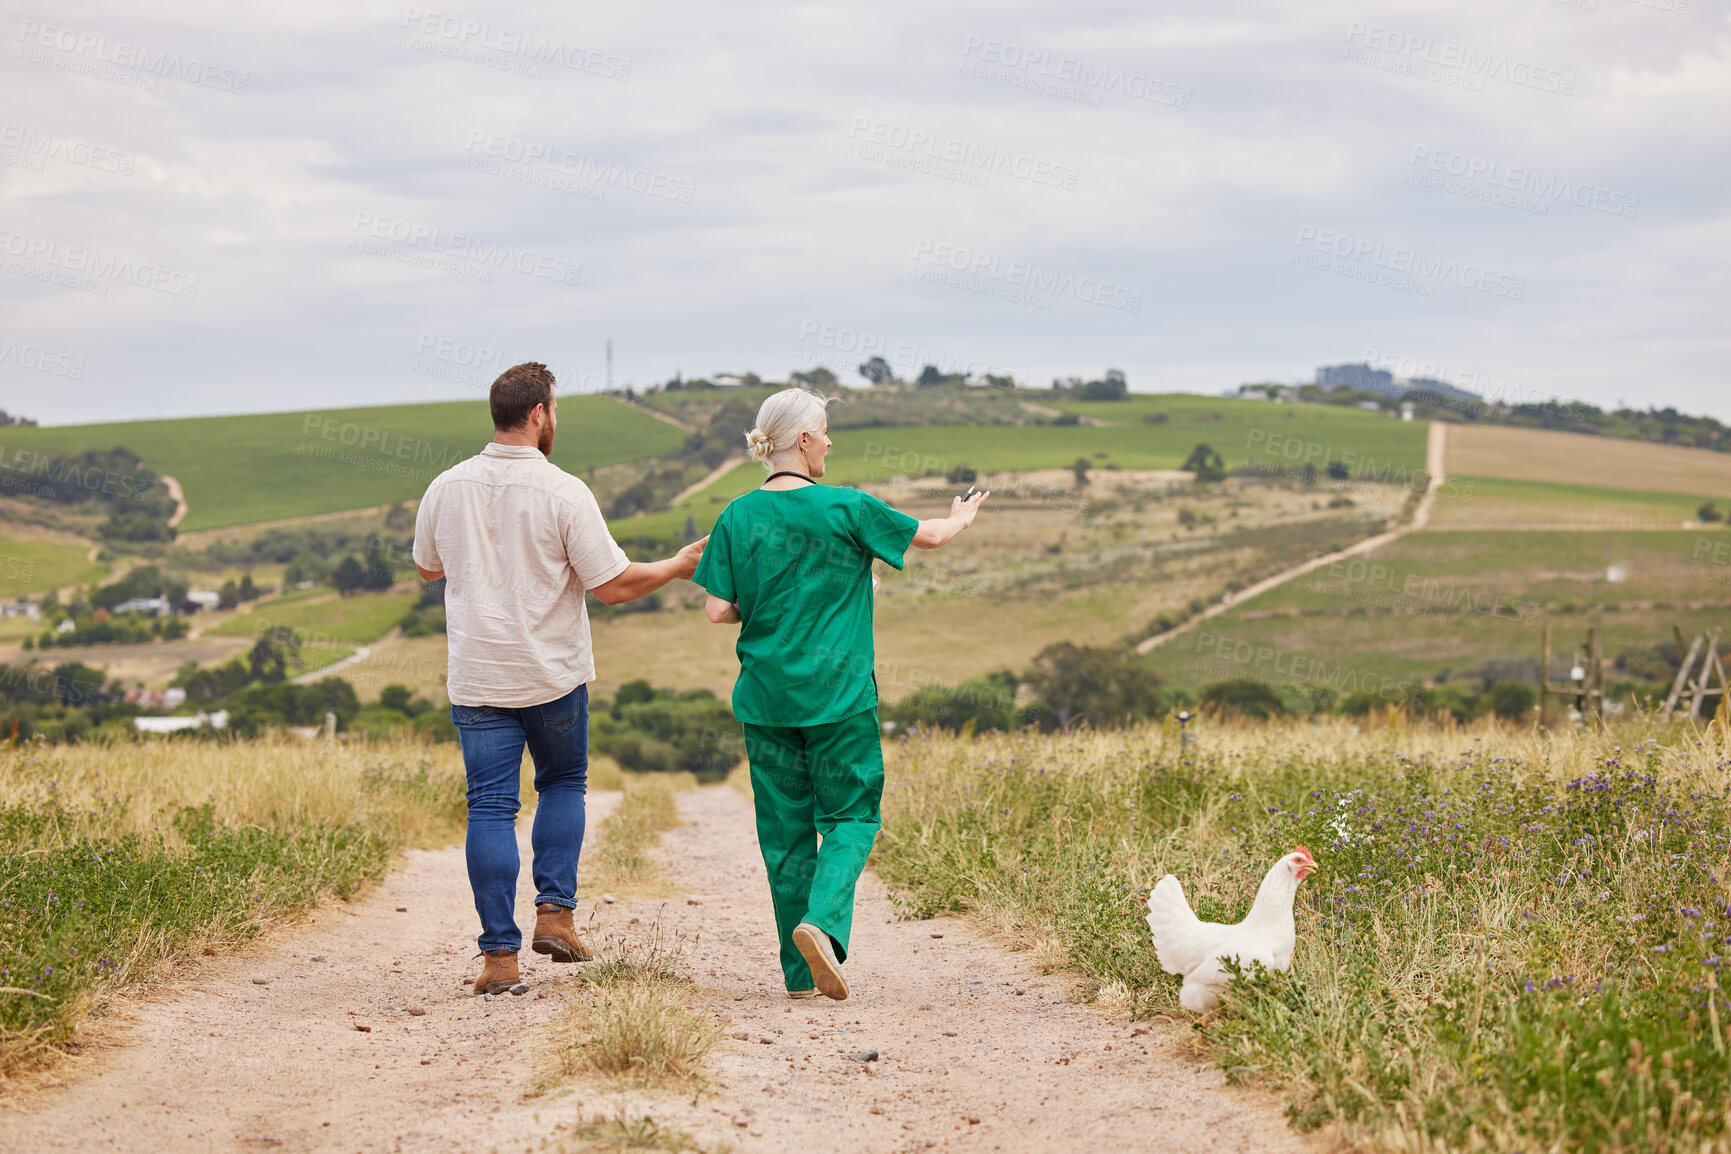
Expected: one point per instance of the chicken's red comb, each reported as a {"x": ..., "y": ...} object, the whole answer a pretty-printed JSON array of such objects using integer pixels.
[{"x": 1305, "y": 852}]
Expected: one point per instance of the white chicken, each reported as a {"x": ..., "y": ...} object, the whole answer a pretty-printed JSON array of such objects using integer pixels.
[{"x": 1187, "y": 945}]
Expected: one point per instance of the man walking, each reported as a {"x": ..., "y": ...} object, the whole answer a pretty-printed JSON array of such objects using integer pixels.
[{"x": 518, "y": 541}]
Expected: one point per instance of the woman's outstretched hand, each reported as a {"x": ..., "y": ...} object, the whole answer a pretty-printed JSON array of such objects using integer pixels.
[
  {"x": 938, "y": 530},
  {"x": 964, "y": 508}
]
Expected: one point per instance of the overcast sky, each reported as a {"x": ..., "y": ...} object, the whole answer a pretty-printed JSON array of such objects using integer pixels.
[{"x": 224, "y": 208}]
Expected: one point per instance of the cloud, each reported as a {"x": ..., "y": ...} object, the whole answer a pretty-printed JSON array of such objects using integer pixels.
[{"x": 219, "y": 209}]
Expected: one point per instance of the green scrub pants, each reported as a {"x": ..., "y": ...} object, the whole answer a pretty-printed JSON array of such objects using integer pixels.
[{"x": 807, "y": 782}]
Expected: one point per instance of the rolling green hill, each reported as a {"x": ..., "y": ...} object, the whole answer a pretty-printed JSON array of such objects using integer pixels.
[
  {"x": 31, "y": 566},
  {"x": 1452, "y": 601},
  {"x": 1494, "y": 503},
  {"x": 237, "y": 470}
]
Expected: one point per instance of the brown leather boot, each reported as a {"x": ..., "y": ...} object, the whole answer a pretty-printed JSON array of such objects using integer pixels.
[
  {"x": 498, "y": 972},
  {"x": 556, "y": 936}
]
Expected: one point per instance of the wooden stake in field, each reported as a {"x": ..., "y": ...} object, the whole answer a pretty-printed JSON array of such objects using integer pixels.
[
  {"x": 1586, "y": 684},
  {"x": 1697, "y": 686}
]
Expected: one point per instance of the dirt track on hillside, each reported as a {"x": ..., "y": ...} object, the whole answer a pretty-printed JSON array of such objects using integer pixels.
[{"x": 976, "y": 1050}]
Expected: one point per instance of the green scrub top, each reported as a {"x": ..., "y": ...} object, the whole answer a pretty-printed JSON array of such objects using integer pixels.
[{"x": 798, "y": 563}]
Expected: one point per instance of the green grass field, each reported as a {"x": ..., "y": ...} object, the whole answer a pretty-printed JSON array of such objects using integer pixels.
[
  {"x": 28, "y": 566},
  {"x": 359, "y": 619},
  {"x": 1492, "y": 503},
  {"x": 1550, "y": 567},
  {"x": 237, "y": 470},
  {"x": 1435, "y": 602}
]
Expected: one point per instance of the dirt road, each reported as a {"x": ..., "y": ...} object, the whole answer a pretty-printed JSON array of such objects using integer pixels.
[
  {"x": 975, "y": 1050},
  {"x": 1435, "y": 453}
]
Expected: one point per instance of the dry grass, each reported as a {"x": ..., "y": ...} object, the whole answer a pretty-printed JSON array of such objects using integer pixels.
[
  {"x": 636, "y": 1020},
  {"x": 139, "y": 787},
  {"x": 1573, "y": 459},
  {"x": 604, "y": 773},
  {"x": 624, "y": 1130},
  {"x": 623, "y": 860},
  {"x": 116, "y": 860}
]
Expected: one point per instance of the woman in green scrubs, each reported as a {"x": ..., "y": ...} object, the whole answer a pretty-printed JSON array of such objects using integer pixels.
[{"x": 791, "y": 563}]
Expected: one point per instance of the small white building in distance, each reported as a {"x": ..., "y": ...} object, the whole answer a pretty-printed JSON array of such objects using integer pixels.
[
  {"x": 217, "y": 720},
  {"x": 152, "y": 605},
  {"x": 204, "y": 600}
]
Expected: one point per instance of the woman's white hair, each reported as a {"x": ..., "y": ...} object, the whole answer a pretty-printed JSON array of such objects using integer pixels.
[{"x": 780, "y": 421}]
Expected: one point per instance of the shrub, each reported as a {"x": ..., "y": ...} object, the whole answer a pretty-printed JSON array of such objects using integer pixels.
[
  {"x": 1205, "y": 463},
  {"x": 1243, "y": 697},
  {"x": 975, "y": 706},
  {"x": 1100, "y": 685},
  {"x": 1511, "y": 699},
  {"x": 650, "y": 730}
]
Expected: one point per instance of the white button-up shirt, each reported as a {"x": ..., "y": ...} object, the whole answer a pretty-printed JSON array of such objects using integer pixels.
[{"x": 519, "y": 540}]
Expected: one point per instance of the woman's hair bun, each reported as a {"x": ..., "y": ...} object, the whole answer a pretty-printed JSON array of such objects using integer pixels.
[
  {"x": 781, "y": 419},
  {"x": 759, "y": 444}
]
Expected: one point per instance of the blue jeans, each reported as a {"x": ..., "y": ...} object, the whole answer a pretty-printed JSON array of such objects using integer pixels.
[{"x": 493, "y": 737}]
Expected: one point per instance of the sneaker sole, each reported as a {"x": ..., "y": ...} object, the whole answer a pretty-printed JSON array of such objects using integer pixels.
[
  {"x": 824, "y": 975},
  {"x": 801, "y": 995},
  {"x": 560, "y": 950}
]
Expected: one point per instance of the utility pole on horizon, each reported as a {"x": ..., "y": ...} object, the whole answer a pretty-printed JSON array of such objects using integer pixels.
[{"x": 608, "y": 383}]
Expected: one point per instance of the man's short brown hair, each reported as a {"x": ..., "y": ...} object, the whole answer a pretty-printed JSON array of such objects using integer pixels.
[{"x": 516, "y": 393}]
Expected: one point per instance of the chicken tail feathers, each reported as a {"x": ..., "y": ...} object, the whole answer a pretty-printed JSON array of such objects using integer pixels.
[{"x": 1174, "y": 927}]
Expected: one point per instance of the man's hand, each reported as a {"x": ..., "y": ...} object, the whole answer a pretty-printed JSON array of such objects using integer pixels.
[
  {"x": 642, "y": 578},
  {"x": 685, "y": 561}
]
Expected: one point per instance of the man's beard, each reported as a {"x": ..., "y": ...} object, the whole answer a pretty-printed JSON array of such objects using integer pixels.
[{"x": 545, "y": 441}]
